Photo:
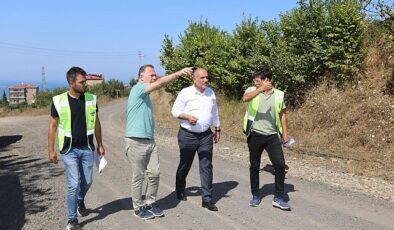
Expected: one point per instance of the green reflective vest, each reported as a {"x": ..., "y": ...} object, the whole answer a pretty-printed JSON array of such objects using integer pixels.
[
  {"x": 64, "y": 123},
  {"x": 253, "y": 107}
]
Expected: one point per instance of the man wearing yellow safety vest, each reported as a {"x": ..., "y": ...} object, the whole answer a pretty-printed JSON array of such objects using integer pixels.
[
  {"x": 74, "y": 116},
  {"x": 265, "y": 126}
]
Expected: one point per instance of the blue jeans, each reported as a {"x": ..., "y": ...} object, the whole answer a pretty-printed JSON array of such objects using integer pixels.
[{"x": 78, "y": 164}]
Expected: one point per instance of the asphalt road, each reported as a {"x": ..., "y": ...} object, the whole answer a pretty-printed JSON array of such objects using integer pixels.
[{"x": 32, "y": 191}]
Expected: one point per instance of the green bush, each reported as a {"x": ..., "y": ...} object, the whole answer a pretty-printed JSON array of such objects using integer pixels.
[
  {"x": 44, "y": 98},
  {"x": 201, "y": 45},
  {"x": 4, "y": 102},
  {"x": 315, "y": 40}
]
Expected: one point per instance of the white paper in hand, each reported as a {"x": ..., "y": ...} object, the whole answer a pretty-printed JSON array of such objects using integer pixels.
[
  {"x": 103, "y": 163},
  {"x": 289, "y": 143},
  {"x": 100, "y": 162}
]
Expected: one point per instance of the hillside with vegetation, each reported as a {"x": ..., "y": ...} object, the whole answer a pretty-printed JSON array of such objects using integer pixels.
[{"x": 334, "y": 59}]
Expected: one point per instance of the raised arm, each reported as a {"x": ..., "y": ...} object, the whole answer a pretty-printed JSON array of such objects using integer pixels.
[
  {"x": 163, "y": 81},
  {"x": 265, "y": 86}
]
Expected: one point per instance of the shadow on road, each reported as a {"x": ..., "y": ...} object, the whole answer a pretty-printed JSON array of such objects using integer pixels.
[
  {"x": 108, "y": 209},
  {"x": 220, "y": 190},
  {"x": 20, "y": 180},
  {"x": 270, "y": 168},
  {"x": 8, "y": 140},
  {"x": 269, "y": 189},
  {"x": 12, "y": 213}
]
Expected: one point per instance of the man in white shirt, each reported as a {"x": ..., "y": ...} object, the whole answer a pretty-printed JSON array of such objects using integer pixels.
[{"x": 196, "y": 109}]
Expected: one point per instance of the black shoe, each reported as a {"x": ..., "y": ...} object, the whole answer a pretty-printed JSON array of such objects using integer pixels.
[
  {"x": 73, "y": 225},
  {"x": 181, "y": 195},
  {"x": 81, "y": 209},
  {"x": 210, "y": 206}
]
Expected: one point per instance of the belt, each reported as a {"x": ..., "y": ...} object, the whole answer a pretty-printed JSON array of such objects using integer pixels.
[{"x": 186, "y": 130}]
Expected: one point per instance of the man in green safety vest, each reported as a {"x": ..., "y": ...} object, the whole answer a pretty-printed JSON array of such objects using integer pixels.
[
  {"x": 265, "y": 126},
  {"x": 74, "y": 116}
]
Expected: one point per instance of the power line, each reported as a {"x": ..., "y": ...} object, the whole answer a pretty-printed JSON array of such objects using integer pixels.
[
  {"x": 140, "y": 56},
  {"x": 57, "y": 52}
]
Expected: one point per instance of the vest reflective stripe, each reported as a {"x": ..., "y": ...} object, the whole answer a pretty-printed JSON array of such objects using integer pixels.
[
  {"x": 279, "y": 95},
  {"x": 90, "y": 132},
  {"x": 64, "y": 124},
  {"x": 63, "y": 132},
  {"x": 253, "y": 107}
]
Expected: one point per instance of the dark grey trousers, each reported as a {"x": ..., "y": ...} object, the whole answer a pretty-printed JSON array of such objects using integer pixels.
[{"x": 190, "y": 143}]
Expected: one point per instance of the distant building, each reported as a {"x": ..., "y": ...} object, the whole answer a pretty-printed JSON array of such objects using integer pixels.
[
  {"x": 94, "y": 79},
  {"x": 21, "y": 93}
]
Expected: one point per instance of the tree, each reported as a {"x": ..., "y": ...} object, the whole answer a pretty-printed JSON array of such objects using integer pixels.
[
  {"x": 133, "y": 81},
  {"x": 44, "y": 98},
  {"x": 97, "y": 89},
  {"x": 343, "y": 36},
  {"x": 201, "y": 45},
  {"x": 114, "y": 88},
  {"x": 319, "y": 39},
  {"x": 4, "y": 101},
  {"x": 249, "y": 51}
]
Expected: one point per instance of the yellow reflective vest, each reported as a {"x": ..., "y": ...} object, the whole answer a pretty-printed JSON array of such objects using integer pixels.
[
  {"x": 253, "y": 107},
  {"x": 64, "y": 123}
]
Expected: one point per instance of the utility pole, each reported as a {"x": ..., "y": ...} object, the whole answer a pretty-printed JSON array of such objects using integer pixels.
[
  {"x": 140, "y": 56},
  {"x": 43, "y": 83}
]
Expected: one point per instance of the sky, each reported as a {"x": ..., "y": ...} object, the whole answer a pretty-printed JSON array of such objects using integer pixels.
[{"x": 106, "y": 37}]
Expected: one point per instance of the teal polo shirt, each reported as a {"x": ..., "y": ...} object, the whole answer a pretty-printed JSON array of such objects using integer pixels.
[{"x": 139, "y": 114}]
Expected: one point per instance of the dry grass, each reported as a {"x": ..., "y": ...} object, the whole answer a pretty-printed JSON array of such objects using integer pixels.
[
  {"x": 162, "y": 104},
  {"x": 355, "y": 125},
  {"x": 23, "y": 112}
]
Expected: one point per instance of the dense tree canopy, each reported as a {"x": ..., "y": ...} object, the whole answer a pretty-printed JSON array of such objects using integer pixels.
[{"x": 315, "y": 40}]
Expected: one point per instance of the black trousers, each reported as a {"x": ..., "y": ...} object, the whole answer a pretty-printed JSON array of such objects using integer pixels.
[
  {"x": 190, "y": 143},
  {"x": 257, "y": 143}
]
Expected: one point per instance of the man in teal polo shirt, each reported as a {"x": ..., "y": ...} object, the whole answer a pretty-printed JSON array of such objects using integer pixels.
[{"x": 139, "y": 137}]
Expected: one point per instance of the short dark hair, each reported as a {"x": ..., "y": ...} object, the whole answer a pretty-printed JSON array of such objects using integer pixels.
[
  {"x": 142, "y": 69},
  {"x": 263, "y": 73},
  {"x": 73, "y": 72}
]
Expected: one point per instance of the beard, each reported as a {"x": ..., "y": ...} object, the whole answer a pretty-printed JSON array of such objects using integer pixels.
[{"x": 80, "y": 90}]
